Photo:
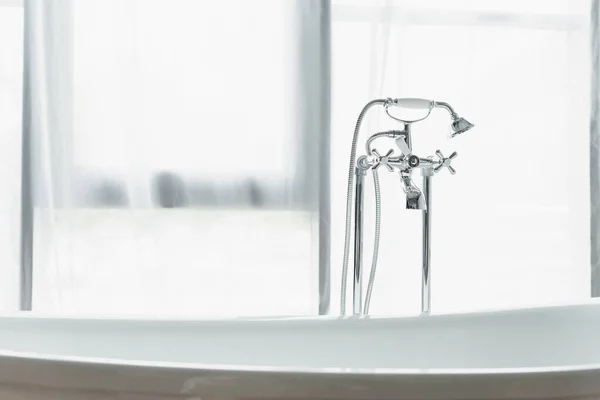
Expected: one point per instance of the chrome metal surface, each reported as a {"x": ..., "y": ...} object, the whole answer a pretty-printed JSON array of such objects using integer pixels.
[
  {"x": 460, "y": 125},
  {"x": 383, "y": 160},
  {"x": 349, "y": 192},
  {"x": 403, "y": 145},
  {"x": 447, "y": 107},
  {"x": 407, "y": 136},
  {"x": 357, "y": 307},
  {"x": 426, "y": 262},
  {"x": 445, "y": 162},
  {"x": 416, "y": 199},
  {"x": 377, "y": 235},
  {"x": 393, "y": 134}
]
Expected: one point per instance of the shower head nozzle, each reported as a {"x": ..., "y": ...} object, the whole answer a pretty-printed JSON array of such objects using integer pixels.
[{"x": 460, "y": 125}]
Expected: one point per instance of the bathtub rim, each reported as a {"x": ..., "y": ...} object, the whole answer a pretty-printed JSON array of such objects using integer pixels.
[
  {"x": 143, "y": 318},
  {"x": 334, "y": 371}
]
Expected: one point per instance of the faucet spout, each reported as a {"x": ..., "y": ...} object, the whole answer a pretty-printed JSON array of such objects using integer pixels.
[{"x": 415, "y": 199}]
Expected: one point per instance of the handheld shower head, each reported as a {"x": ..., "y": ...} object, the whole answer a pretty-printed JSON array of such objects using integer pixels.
[
  {"x": 413, "y": 109},
  {"x": 460, "y": 125}
]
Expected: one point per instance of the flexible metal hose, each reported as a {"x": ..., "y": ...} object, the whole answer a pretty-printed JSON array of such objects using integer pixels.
[
  {"x": 349, "y": 198},
  {"x": 376, "y": 242}
]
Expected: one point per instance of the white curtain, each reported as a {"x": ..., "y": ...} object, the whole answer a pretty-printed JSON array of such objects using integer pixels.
[
  {"x": 11, "y": 70},
  {"x": 511, "y": 228},
  {"x": 172, "y": 176},
  {"x": 172, "y": 169}
]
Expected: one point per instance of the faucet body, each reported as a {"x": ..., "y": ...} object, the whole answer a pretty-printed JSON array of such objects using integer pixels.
[{"x": 416, "y": 199}]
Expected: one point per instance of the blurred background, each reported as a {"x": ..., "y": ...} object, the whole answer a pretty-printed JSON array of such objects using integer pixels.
[{"x": 190, "y": 157}]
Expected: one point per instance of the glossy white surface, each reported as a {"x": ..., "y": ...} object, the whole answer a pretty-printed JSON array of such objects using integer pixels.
[{"x": 534, "y": 353}]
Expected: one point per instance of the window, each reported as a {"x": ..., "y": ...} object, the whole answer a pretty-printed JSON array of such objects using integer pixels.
[
  {"x": 176, "y": 174},
  {"x": 511, "y": 228},
  {"x": 174, "y": 186}
]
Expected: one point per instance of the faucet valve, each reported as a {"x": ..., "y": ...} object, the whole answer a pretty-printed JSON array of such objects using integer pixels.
[
  {"x": 383, "y": 160},
  {"x": 445, "y": 162}
]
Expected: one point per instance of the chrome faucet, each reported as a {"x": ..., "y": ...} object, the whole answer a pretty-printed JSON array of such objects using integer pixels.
[{"x": 416, "y": 199}]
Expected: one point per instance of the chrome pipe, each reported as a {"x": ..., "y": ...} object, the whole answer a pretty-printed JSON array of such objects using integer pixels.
[
  {"x": 358, "y": 239},
  {"x": 349, "y": 188},
  {"x": 426, "y": 271},
  {"x": 447, "y": 107},
  {"x": 393, "y": 134}
]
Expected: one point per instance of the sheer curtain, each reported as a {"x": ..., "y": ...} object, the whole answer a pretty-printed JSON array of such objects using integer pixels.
[
  {"x": 180, "y": 152},
  {"x": 511, "y": 228},
  {"x": 11, "y": 71},
  {"x": 173, "y": 169}
]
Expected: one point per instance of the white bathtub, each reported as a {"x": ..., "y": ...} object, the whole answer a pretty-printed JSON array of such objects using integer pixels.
[{"x": 535, "y": 353}]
